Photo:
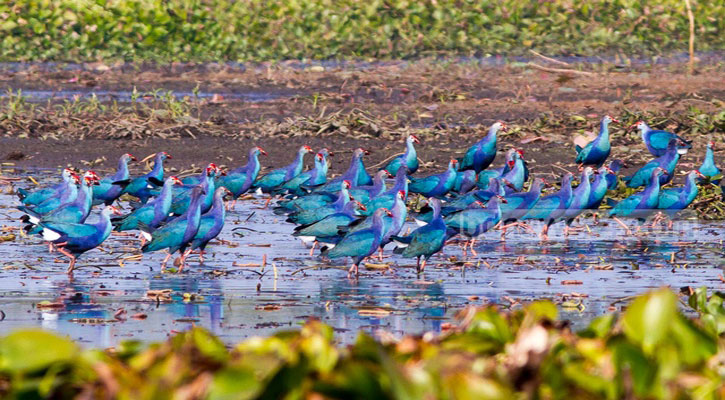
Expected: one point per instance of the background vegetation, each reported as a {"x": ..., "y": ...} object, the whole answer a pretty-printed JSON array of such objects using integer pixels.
[
  {"x": 651, "y": 351},
  {"x": 203, "y": 30}
]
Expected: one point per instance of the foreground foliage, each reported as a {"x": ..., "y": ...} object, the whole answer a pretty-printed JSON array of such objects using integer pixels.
[
  {"x": 261, "y": 30},
  {"x": 651, "y": 351}
]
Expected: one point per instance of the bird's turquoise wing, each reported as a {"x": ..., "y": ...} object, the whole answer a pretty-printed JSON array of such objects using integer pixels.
[
  {"x": 583, "y": 153},
  {"x": 424, "y": 185},
  {"x": 426, "y": 240},
  {"x": 353, "y": 245},
  {"x": 543, "y": 208}
]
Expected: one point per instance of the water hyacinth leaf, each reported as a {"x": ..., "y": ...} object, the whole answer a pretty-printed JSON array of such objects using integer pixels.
[
  {"x": 648, "y": 319},
  {"x": 209, "y": 345},
  {"x": 635, "y": 367},
  {"x": 32, "y": 350},
  {"x": 235, "y": 384},
  {"x": 599, "y": 327}
]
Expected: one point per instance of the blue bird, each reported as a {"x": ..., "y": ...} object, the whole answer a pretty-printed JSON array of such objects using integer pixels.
[
  {"x": 479, "y": 156},
  {"x": 517, "y": 174},
  {"x": 435, "y": 185},
  {"x": 142, "y": 186},
  {"x": 363, "y": 194},
  {"x": 596, "y": 152},
  {"x": 360, "y": 244},
  {"x": 639, "y": 205},
  {"x": 611, "y": 176},
  {"x": 304, "y": 217},
  {"x": 61, "y": 197},
  {"x": 182, "y": 197},
  {"x": 315, "y": 177},
  {"x": 599, "y": 188},
  {"x": 708, "y": 169},
  {"x": 73, "y": 239},
  {"x": 211, "y": 223},
  {"x": 75, "y": 211},
  {"x": 495, "y": 188},
  {"x": 392, "y": 225},
  {"x": 473, "y": 222},
  {"x": 239, "y": 180},
  {"x": 153, "y": 213},
  {"x": 424, "y": 241},
  {"x": 674, "y": 200},
  {"x": 668, "y": 162},
  {"x": 177, "y": 234},
  {"x": 327, "y": 229},
  {"x": 69, "y": 182},
  {"x": 310, "y": 201},
  {"x": 657, "y": 140},
  {"x": 276, "y": 178},
  {"x": 356, "y": 174},
  {"x": 387, "y": 198},
  {"x": 518, "y": 204},
  {"x": 111, "y": 187},
  {"x": 465, "y": 181},
  {"x": 409, "y": 158},
  {"x": 579, "y": 200},
  {"x": 552, "y": 207}
]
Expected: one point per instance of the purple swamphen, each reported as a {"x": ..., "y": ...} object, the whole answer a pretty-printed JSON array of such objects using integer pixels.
[
  {"x": 595, "y": 153},
  {"x": 75, "y": 239},
  {"x": 710, "y": 171},
  {"x": 177, "y": 234},
  {"x": 153, "y": 213},
  {"x": 211, "y": 223},
  {"x": 424, "y": 241},
  {"x": 239, "y": 180},
  {"x": 671, "y": 201},
  {"x": 277, "y": 177},
  {"x": 479, "y": 156},
  {"x": 141, "y": 187},
  {"x": 639, "y": 205},
  {"x": 668, "y": 162},
  {"x": 111, "y": 187},
  {"x": 473, "y": 222},
  {"x": 360, "y": 244},
  {"x": 552, "y": 207},
  {"x": 408, "y": 159},
  {"x": 435, "y": 185},
  {"x": 69, "y": 182},
  {"x": 658, "y": 140}
]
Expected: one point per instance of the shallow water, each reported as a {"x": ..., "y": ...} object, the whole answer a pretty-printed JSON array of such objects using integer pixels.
[
  {"x": 126, "y": 96},
  {"x": 241, "y": 301}
]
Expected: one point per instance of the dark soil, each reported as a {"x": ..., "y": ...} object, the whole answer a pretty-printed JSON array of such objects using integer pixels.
[{"x": 449, "y": 105}]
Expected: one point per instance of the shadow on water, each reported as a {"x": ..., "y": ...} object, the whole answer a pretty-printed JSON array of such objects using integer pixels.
[{"x": 236, "y": 297}]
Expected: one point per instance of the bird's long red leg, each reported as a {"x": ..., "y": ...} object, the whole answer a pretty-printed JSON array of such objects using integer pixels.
[
  {"x": 312, "y": 250},
  {"x": 269, "y": 200},
  {"x": 544, "y": 235},
  {"x": 166, "y": 260},
  {"x": 201, "y": 256},
  {"x": 380, "y": 254},
  {"x": 422, "y": 265},
  {"x": 623, "y": 225},
  {"x": 72, "y": 265},
  {"x": 473, "y": 241},
  {"x": 353, "y": 269}
]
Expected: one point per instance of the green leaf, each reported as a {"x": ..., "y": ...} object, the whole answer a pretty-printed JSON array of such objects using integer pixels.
[
  {"x": 648, "y": 319},
  {"x": 31, "y": 350}
]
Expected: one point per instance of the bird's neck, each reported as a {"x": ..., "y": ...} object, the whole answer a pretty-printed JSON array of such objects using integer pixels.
[
  {"x": 122, "y": 171},
  {"x": 158, "y": 169},
  {"x": 298, "y": 163},
  {"x": 603, "y": 132},
  {"x": 709, "y": 158},
  {"x": 410, "y": 149}
]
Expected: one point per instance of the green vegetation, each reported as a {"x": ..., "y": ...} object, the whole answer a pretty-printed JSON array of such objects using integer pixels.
[
  {"x": 650, "y": 351},
  {"x": 203, "y": 30}
]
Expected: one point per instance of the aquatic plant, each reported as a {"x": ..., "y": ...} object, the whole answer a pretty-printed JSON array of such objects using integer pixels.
[{"x": 650, "y": 350}]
